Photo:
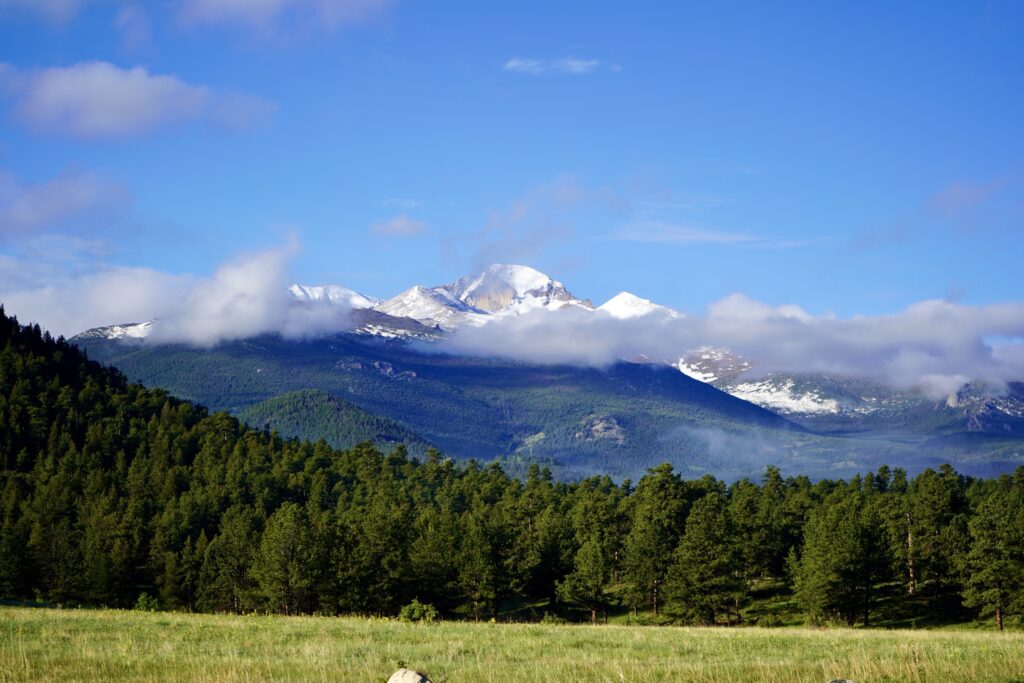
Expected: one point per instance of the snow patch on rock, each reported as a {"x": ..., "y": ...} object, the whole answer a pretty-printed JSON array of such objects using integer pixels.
[{"x": 781, "y": 397}]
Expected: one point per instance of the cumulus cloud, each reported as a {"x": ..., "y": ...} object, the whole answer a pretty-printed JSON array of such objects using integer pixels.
[
  {"x": 72, "y": 199},
  {"x": 102, "y": 100},
  {"x": 245, "y": 297},
  {"x": 276, "y": 16},
  {"x": 399, "y": 226},
  {"x": 69, "y": 304},
  {"x": 937, "y": 345},
  {"x": 572, "y": 66}
]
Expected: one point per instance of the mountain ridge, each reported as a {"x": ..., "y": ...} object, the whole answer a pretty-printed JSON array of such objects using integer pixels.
[{"x": 816, "y": 401}]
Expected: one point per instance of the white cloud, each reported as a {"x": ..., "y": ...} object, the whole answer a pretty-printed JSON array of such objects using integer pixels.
[
  {"x": 245, "y": 297},
  {"x": 934, "y": 344},
  {"x": 572, "y": 66},
  {"x": 399, "y": 226},
  {"x": 68, "y": 304},
  {"x": 102, "y": 100},
  {"x": 276, "y": 16},
  {"x": 70, "y": 200}
]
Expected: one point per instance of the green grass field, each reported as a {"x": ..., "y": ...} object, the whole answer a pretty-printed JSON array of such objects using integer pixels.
[{"x": 112, "y": 646}]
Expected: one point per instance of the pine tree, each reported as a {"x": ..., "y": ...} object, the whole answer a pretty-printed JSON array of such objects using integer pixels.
[
  {"x": 843, "y": 556},
  {"x": 705, "y": 579},
  {"x": 479, "y": 571},
  {"x": 994, "y": 565},
  {"x": 934, "y": 533},
  {"x": 14, "y": 532},
  {"x": 586, "y": 584},
  {"x": 658, "y": 517},
  {"x": 225, "y": 583},
  {"x": 281, "y": 565}
]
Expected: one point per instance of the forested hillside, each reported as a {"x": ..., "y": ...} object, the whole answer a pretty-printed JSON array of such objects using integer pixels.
[
  {"x": 112, "y": 492},
  {"x": 580, "y": 421},
  {"x": 313, "y": 414}
]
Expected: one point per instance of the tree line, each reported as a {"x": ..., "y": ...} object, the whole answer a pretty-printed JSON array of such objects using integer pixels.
[{"x": 111, "y": 492}]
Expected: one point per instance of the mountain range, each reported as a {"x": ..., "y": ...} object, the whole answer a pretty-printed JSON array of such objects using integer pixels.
[{"x": 706, "y": 410}]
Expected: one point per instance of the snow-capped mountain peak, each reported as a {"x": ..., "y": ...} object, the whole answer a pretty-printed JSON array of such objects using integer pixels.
[
  {"x": 626, "y": 305},
  {"x": 519, "y": 279},
  {"x": 505, "y": 288},
  {"x": 334, "y": 294},
  {"x": 430, "y": 305}
]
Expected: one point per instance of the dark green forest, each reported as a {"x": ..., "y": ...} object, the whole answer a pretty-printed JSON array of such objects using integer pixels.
[
  {"x": 115, "y": 494},
  {"x": 313, "y": 413}
]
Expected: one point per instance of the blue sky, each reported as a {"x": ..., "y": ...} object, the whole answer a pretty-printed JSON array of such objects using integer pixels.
[{"x": 849, "y": 158}]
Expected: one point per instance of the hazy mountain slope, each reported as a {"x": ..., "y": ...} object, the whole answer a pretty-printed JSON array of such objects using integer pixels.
[
  {"x": 582, "y": 421},
  {"x": 585, "y": 420},
  {"x": 588, "y": 420}
]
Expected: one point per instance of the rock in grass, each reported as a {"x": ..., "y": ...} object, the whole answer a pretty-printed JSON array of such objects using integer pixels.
[
  {"x": 404, "y": 675},
  {"x": 841, "y": 680}
]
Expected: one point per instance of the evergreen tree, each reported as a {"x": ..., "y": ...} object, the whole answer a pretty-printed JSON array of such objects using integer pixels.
[
  {"x": 705, "y": 579},
  {"x": 659, "y": 508},
  {"x": 281, "y": 565},
  {"x": 586, "y": 584},
  {"x": 479, "y": 571},
  {"x": 15, "y": 576},
  {"x": 226, "y": 584},
  {"x": 843, "y": 557},
  {"x": 109, "y": 490},
  {"x": 928, "y": 531},
  {"x": 994, "y": 565}
]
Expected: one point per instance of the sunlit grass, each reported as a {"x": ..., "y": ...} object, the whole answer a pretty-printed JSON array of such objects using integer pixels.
[{"x": 112, "y": 646}]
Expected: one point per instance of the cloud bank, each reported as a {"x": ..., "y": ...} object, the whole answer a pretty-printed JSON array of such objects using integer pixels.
[
  {"x": 99, "y": 100},
  {"x": 69, "y": 304},
  {"x": 245, "y": 297},
  {"x": 937, "y": 345}
]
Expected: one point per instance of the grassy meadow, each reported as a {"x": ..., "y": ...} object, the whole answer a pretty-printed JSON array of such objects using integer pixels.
[{"x": 112, "y": 646}]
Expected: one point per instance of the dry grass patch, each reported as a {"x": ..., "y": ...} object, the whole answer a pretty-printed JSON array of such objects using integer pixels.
[{"x": 112, "y": 646}]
